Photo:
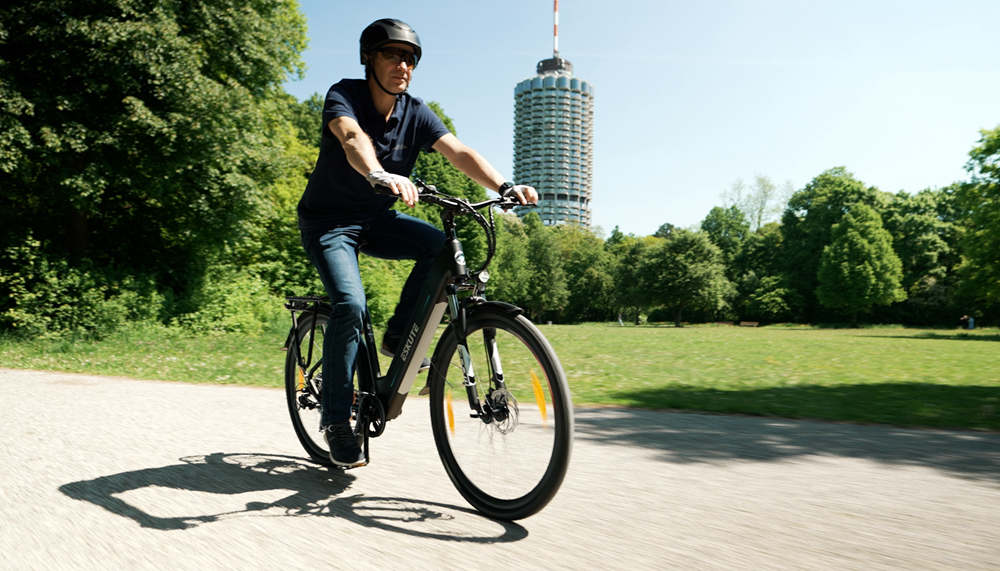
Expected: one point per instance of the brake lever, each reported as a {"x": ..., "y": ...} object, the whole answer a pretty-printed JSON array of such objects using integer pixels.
[{"x": 423, "y": 186}]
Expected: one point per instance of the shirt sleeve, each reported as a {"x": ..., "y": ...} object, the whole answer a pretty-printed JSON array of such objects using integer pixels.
[
  {"x": 339, "y": 103},
  {"x": 430, "y": 126}
]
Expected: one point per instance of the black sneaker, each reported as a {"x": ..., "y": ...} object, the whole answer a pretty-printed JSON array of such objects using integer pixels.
[
  {"x": 390, "y": 341},
  {"x": 344, "y": 448}
]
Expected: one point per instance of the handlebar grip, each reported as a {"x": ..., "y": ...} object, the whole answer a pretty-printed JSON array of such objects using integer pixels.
[{"x": 381, "y": 189}]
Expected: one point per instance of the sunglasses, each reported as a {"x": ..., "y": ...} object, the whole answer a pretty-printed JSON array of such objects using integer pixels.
[{"x": 399, "y": 55}]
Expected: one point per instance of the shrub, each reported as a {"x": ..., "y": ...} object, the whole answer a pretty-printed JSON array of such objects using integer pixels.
[
  {"x": 43, "y": 296},
  {"x": 229, "y": 299}
]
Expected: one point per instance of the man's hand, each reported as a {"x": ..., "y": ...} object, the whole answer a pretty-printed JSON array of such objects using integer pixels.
[
  {"x": 399, "y": 185},
  {"x": 523, "y": 193}
]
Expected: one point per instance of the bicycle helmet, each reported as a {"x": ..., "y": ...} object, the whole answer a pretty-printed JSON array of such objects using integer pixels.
[{"x": 388, "y": 31}]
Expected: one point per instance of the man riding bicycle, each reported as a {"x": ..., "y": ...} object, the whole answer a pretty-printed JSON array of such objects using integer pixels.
[{"x": 373, "y": 131}]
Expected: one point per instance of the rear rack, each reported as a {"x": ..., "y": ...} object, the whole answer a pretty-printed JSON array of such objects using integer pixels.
[{"x": 307, "y": 303}]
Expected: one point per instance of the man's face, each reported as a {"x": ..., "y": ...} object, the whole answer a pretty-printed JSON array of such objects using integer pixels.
[{"x": 393, "y": 65}]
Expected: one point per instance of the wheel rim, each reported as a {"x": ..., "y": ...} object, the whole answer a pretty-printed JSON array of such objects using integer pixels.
[
  {"x": 507, "y": 463},
  {"x": 304, "y": 405}
]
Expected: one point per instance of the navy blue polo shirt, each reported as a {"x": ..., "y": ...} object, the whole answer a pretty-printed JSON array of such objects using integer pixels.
[{"x": 336, "y": 193}]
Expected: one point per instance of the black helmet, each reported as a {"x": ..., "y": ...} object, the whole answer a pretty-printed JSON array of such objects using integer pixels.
[{"x": 388, "y": 31}]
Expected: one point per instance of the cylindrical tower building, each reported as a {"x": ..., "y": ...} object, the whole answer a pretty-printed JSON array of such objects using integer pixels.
[{"x": 553, "y": 141}]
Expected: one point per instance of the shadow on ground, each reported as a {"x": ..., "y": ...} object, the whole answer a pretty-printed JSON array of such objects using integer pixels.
[
  {"x": 944, "y": 336},
  {"x": 920, "y": 405},
  {"x": 690, "y": 437},
  {"x": 316, "y": 492}
]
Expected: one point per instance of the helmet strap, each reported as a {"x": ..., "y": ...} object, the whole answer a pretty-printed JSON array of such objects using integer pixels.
[{"x": 370, "y": 73}]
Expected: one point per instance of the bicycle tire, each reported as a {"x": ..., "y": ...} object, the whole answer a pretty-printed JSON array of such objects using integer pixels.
[
  {"x": 305, "y": 420},
  {"x": 511, "y": 472}
]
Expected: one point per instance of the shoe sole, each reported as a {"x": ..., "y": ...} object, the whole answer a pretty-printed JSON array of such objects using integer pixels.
[{"x": 347, "y": 465}]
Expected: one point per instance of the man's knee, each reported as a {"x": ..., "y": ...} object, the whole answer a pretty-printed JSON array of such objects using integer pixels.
[{"x": 350, "y": 305}]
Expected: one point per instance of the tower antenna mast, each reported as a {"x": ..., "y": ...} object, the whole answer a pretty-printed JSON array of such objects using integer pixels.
[{"x": 555, "y": 29}]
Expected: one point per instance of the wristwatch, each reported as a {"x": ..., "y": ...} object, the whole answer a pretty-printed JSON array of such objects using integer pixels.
[{"x": 505, "y": 187}]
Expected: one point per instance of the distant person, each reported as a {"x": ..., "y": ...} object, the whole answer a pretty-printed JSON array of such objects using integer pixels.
[{"x": 373, "y": 131}]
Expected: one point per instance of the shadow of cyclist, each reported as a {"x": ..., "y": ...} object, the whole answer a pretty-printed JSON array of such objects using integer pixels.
[{"x": 315, "y": 492}]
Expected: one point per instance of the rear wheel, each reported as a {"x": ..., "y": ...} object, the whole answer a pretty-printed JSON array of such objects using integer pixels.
[
  {"x": 510, "y": 466},
  {"x": 303, "y": 382}
]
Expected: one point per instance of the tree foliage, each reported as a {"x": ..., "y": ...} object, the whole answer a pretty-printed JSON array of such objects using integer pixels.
[
  {"x": 805, "y": 227},
  {"x": 684, "y": 272},
  {"x": 589, "y": 274},
  {"x": 979, "y": 201},
  {"x": 137, "y": 135},
  {"x": 859, "y": 268},
  {"x": 727, "y": 228},
  {"x": 151, "y": 165}
]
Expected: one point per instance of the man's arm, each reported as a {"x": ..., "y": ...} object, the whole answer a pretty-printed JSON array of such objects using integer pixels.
[
  {"x": 476, "y": 167},
  {"x": 361, "y": 156}
]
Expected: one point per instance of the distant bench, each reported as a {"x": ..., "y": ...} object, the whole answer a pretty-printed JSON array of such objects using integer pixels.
[{"x": 749, "y": 323}]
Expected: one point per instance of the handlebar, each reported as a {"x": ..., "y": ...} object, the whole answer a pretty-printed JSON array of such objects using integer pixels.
[
  {"x": 430, "y": 194},
  {"x": 453, "y": 205}
]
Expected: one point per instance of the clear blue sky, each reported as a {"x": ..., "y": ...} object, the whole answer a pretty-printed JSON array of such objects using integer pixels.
[{"x": 691, "y": 96}]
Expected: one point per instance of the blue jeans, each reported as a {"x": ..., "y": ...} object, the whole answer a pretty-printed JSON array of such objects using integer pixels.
[{"x": 334, "y": 252}]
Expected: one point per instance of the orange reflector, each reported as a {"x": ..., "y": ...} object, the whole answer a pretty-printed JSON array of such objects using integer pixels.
[
  {"x": 302, "y": 380},
  {"x": 539, "y": 395},
  {"x": 451, "y": 414}
]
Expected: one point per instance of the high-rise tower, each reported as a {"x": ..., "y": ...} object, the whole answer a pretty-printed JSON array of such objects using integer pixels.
[{"x": 554, "y": 138}]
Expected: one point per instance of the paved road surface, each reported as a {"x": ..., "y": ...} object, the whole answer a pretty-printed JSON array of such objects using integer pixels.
[{"x": 112, "y": 473}]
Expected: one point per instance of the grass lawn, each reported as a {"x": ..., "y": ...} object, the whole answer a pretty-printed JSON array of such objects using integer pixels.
[{"x": 907, "y": 377}]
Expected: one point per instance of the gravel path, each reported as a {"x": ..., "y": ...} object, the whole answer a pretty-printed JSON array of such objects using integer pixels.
[{"x": 114, "y": 473}]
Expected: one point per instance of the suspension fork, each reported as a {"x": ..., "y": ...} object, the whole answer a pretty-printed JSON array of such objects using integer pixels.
[
  {"x": 459, "y": 319},
  {"x": 493, "y": 356}
]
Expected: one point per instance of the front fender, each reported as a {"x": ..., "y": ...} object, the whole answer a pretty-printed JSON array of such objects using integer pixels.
[{"x": 498, "y": 306}]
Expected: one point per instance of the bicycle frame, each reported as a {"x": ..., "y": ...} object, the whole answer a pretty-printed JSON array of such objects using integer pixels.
[
  {"x": 393, "y": 388},
  {"x": 439, "y": 292}
]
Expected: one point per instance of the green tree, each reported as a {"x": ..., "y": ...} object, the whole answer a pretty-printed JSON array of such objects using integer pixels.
[
  {"x": 925, "y": 239},
  {"x": 685, "y": 272},
  {"x": 589, "y": 270},
  {"x": 664, "y": 230},
  {"x": 547, "y": 285},
  {"x": 979, "y": 201},
  {"x": 307, "y": 118},
  {"x": 509, "y": 270},
  {"x": 727, "y": 228},
  {"x": 859, "y": 269},
  {"x": 762, "y": 294},
  {"x": 805, "y": 228},
  {"x": 616, "y": 238},
  {"x": 630, "y": 296},
  {"x": 139, "y": 134}
]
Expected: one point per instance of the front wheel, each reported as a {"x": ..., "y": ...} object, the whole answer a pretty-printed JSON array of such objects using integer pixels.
[{"x": 509, "y": 455}]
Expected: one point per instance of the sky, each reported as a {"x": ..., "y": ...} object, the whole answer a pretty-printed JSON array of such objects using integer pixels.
[{"x": 691, "y": 97}]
